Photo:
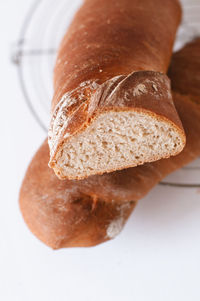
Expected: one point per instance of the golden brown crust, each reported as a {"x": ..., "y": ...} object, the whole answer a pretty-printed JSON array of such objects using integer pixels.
[
  {"x": 92, "y": 53},
  {"x": 130, "y": 35}
]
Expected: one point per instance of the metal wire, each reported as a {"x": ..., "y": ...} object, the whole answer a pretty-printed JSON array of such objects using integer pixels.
[{"x": 18, "y": 59}]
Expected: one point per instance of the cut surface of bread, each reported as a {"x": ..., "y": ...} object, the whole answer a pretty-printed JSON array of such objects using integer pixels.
[{"x": 118, "y": 140}]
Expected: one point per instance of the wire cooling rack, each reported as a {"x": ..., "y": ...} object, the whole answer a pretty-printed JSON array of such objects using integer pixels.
[{"x": 35, "y": 52}]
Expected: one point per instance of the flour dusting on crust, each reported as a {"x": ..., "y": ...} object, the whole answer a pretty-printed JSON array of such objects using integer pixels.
[
  {"x": 116, "y": 226},
  {"x": 139, "y": 90}
]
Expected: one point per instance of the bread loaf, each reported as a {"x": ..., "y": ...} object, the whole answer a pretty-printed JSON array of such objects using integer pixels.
[
  {"x": 89, "y": 212},
  {"x": 112, "y": 106}
]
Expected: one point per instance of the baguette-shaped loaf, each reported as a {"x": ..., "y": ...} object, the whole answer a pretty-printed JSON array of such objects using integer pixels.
[
  {"x": 112, "y": 108},
  {"x": 89, "y": 212}
]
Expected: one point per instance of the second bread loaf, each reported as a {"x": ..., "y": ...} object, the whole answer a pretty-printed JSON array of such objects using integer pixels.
[{"x": 89, "y": 212}]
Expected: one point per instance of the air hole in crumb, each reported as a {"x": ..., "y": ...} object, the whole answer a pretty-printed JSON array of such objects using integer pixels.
[
  {"x": 133, "y": 139},
  {"x": 105, "y": 144}
]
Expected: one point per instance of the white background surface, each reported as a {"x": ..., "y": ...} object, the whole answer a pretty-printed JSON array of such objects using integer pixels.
[{"x": 157, "y": 256}]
